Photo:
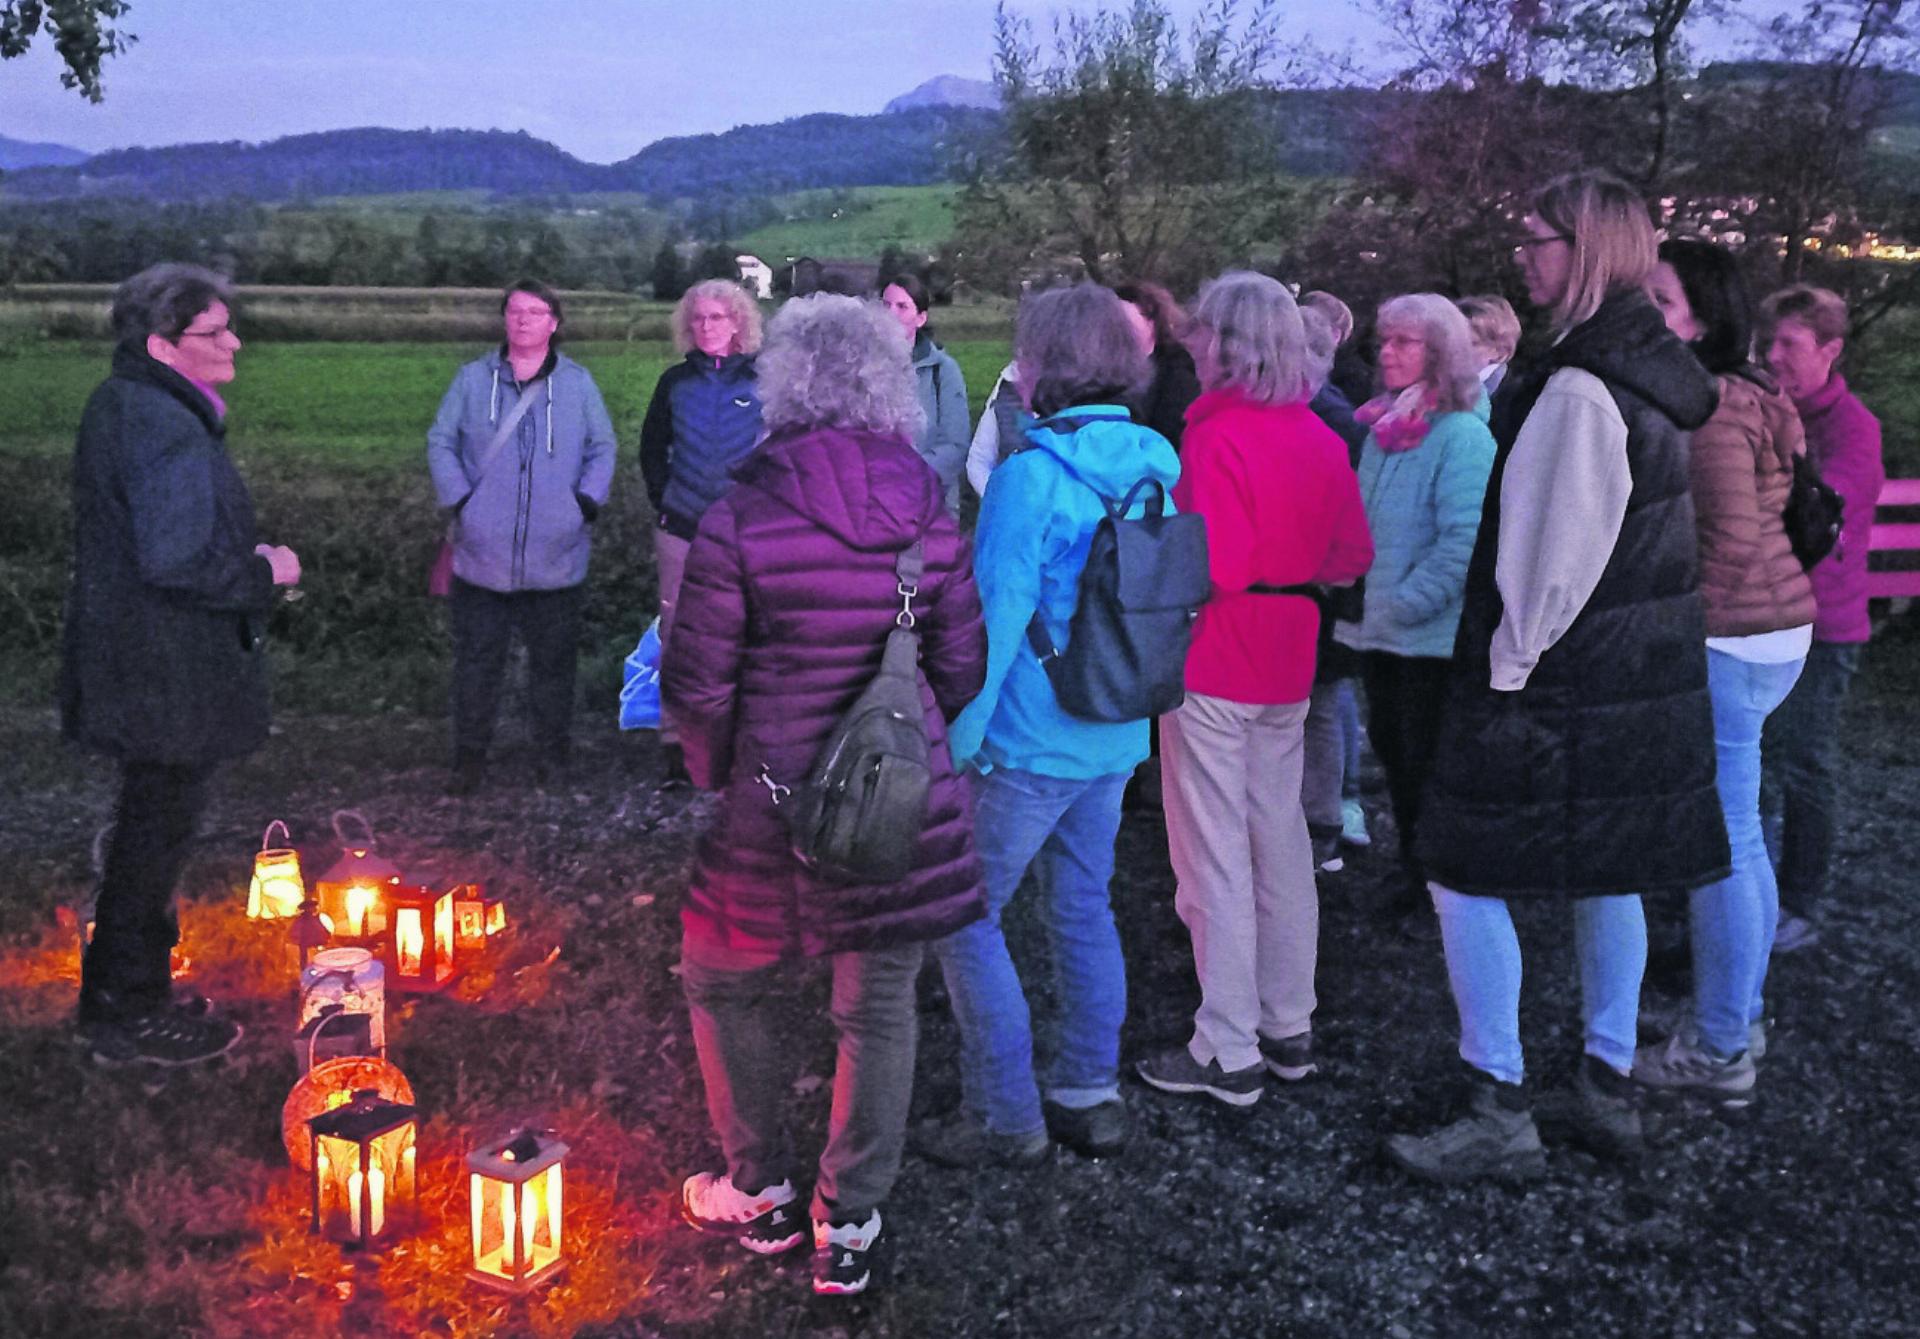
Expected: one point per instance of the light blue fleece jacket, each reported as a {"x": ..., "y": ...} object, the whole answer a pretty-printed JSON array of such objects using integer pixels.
[
  {"x": 1423, "y": 506},
  {"x": 1036, "y": 520}
]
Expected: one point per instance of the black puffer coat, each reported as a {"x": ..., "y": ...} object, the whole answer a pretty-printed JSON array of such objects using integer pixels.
[
  {"x": 1598, "y": 776},
  {"x": 161, "y": 655}
]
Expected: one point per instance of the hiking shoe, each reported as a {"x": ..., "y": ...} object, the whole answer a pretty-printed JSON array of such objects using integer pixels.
[
  {"x": 1606, "y": 1114},
  {"x": 766, "y": 1223},
  {"x": 1681, "y": 1064},
  {"x": 1174, "y": 1070},
  {"x": 1353, "y": 824},
  {"x": 169, "y": 1037},
  {"x": 1288, "y": 1058},
  {"x": 958, "y": 1140},
  {"x": 1098, "y": 1131},
  {"x": 840, "y": 1256},
  {"x": 1795, "y": 933},
  {"x": 1495, "y": 1138}
]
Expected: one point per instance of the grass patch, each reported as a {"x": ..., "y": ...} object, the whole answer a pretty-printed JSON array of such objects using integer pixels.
[{"x": 865, "y": 222}]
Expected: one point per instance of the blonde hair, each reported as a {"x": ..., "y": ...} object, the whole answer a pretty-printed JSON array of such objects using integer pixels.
[
  {"x": 837, "y": 362},
  {"x": 1451, "y": 373},
  {"x": 1254, "y": 340},
  {"x": 1610, "y": 232},
  {"x": 1821, "y": 310},
  {"x": 1493, "y": 321},
  {"x": 1338, "y": 314},
  {"x": 739, "y": 304}
]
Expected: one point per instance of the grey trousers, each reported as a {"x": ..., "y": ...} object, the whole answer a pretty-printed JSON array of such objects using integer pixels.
[
  {"x": 747, "y": 1066},
  {"x": 670, "y": 569}
]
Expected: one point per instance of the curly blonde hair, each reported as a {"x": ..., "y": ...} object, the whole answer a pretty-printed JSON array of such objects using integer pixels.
[
  {"x": 837, "y": 362},
  {"x": 739, "y": 304}
]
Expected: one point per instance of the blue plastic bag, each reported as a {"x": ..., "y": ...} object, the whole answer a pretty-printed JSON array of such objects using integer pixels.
[{"x": 640, "y": 685}]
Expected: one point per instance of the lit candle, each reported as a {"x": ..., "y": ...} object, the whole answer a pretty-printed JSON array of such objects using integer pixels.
[
  {"x": 408, "y": 941},
  {"x": 507, "y": 1238},
  {"x": 529, "y": 1220},
  {"x": 553, "y": 1208},
  {"x": 475, "y": 1210},
  {"x": 359, "y": 902}
]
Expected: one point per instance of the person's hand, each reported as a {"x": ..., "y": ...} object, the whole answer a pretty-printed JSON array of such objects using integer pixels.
[{"x": 283, "y": 560}]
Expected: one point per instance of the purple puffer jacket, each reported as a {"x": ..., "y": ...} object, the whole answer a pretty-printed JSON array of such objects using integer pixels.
[{"x": 788, "y": 598}]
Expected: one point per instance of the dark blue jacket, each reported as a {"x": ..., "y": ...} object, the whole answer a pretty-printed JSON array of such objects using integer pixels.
[{"x": 705, "y": 416}]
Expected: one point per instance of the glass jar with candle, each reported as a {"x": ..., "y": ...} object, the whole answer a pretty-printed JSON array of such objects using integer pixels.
[{"x": 351, "y": 979}]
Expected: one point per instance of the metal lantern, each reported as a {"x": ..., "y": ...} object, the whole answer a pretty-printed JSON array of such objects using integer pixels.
[
  {"x": 277, "y": 890},
  {"x": 350, "y": 980},
  {"x": 477, "y": 916},
  {"x": 515, "y": 1204},
  {"x": 364, "y": 1190},
  {"x": 418, "y": 942},
  {"x": 353, "y": 894}
]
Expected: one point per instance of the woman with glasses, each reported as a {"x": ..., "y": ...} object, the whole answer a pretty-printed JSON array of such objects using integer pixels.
[
  {"x": 162, "y": 664},
  {"x": 522, "y": 455},
  {"x": 1576, "y": 756}
]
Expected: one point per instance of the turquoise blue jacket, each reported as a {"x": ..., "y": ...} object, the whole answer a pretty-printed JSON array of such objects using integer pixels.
[
  {"x": 1036, "y": 520},
  {"x": 1423, "y": 506}
]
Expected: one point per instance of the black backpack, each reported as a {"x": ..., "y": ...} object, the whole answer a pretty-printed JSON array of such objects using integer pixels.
[
  {"x": 858, "y": 816},
  {"x": 1140, "y": 592},
  {"x": 1813, "y": 515}
]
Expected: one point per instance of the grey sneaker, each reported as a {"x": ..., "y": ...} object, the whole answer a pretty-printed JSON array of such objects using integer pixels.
[
  {"x": 1174, "y": 1070},
  {"x": 1794, "y": 933},
  {"x": 958, "y": 1140},
  {"x": 1289, "y": 1058},
  {"x": 1495, "y": 1138},
  {"x": 765, "y": 1223},
  {"x": 1606, "y": 1112},
  {"x": 1682, "y": 1064},
  {"x": 1098, "y": 1131},
  {"x": 168, "y": 1037}
]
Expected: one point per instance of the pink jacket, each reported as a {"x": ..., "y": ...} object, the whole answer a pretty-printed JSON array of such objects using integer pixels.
[
  {"x": 1843, "y": 441},
  {"x": 1282, "y": 507}
]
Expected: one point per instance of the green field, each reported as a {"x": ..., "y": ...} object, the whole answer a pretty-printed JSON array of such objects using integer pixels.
[{"x": 916, "y": 219}]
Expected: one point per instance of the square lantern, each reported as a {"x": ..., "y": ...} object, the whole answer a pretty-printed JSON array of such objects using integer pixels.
[
  {"x": 277, "y": 890},
  {"x": 477, "y": 916},
  {"x": 353, "y": 895},
  {"x": 418, "y": 941},
  {"x": 514, "y": 1188},
  {"x": 364, "y": 1192}
]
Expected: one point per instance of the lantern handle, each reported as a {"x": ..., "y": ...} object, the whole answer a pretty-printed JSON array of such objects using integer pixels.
[
  {"x": 340, "y": 819},
  {"x": 326, "y": 1016},
  {"x": 266, "y": 838}
]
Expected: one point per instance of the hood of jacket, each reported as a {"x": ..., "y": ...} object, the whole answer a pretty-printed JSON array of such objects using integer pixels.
[
  {"x": 1102, "y": 447},
  {"x": 925, "y": 352},
  {"x": 869, "y": 489},
  {"x": 1627, "y": 344}
]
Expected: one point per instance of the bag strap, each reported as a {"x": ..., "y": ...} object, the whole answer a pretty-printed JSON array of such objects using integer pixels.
[
  {"x": 1305, "y": 589},
  {"x": 506, "y": 429},
  {"x": 910, "y": 566}
]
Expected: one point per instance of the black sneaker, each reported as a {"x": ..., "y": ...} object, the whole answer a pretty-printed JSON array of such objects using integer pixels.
[
  {"x": 841, "y": 1256},
  {"x": 168, "y": 1037},
  {"x": 673, "y": 768},
  {"x": 1174, "y": 1070},
  {"x": 1098, "y": 1131},
  {"x": 1289, "y": 1058},
  {"x": 1606, "y": 1111}
]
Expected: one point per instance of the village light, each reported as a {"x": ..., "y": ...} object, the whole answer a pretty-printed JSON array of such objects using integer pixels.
[
  {"x": 477, "y": 916},
  {"x": 353, "y": 894},
  {"x": 363, "y": 1170},
  {"x": 515, "y": 1204},
  {"x": 418, "y": 942},
  {"x": 276, "y": 890},
  {"x": 351, "y": 981}
]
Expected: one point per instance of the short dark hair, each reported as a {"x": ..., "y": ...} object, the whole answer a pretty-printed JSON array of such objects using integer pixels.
[
  {"x": 1717, "y": 293},
  {"x": 909, "y": 284},
  {"x": 1076, "y": 346},
  {"x": 163, "y": 300},
  {"x": 534, "y": 288}
]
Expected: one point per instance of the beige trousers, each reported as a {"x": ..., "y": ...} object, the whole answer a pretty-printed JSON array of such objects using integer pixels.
[{"x": 1244, "y": 865}]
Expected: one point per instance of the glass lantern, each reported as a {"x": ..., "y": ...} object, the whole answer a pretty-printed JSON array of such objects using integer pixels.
[
  {"x": 350, "y": 980},
  {"x": 353, "y": 895},
  {"x": 515, "y": 1204},
  {"x": 418, "y": 943},
  {"x": 364, "y": 1190},
  {"x": 477, "y": 916},
  {"x": 277, "y": 890}
]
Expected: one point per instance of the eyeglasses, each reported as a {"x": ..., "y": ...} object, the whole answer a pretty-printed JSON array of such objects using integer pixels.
[{"x": 1525, "y": 245}]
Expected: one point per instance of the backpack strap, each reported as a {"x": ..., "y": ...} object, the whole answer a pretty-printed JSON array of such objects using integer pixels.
[{"x": 910, "y": 566}]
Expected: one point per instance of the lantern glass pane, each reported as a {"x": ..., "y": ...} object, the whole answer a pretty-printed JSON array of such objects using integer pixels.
[
  {"x": 443, "y": 937},
  {"x": 496, "y": 917},
  {"x": 470, "y": 923},
  {"x": 276, "y": 889},
  {"x": 337, "y": 1178},
  {"x": 408, "y": 941}
]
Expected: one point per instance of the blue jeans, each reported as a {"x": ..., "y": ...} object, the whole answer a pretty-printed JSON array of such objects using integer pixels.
[
  {"x": 1066, "y": 829},
  {"x": 1483, "y": 965},
  {"x": 1732, "y": 921},
  {"x": 1800, "y": 746}
]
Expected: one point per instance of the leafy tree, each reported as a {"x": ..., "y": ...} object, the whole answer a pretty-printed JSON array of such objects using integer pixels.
[
  {"x": 669, "y": 275},
  {"x": 83, "y": 33},
  {"x": 717, "y": 261}
]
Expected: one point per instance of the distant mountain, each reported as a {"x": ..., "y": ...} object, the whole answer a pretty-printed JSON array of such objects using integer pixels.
[
  {"x": 336, "y": 162},
  {"x": 911, "y": 148},
  {"x": 948, "y": 90},
  {"x": 19, "y": 153}
]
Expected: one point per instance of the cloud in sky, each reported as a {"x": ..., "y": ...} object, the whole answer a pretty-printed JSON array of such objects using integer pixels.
[{"x": 600, "y": 78}]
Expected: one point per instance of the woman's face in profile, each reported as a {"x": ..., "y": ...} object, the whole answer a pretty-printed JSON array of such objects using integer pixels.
[{"x": 204, "y": 352}]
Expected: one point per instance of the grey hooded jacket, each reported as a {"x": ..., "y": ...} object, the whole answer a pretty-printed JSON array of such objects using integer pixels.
[{"x": 523, "y": 523}]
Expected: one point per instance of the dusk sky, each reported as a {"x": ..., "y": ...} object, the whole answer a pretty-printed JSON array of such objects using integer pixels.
[{"x": 600, "y": 78}]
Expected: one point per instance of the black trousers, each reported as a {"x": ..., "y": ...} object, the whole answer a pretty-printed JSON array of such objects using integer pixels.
[
  {"x": 1404, "y": 699},
  {"x": 127, "y": 969},
  {"x": 484, "y": 622}
]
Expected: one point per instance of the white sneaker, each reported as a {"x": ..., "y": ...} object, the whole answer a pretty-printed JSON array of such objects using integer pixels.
[
  {"x": 840, "y": 1263},
  {"x": 766, "y": 1223}
]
